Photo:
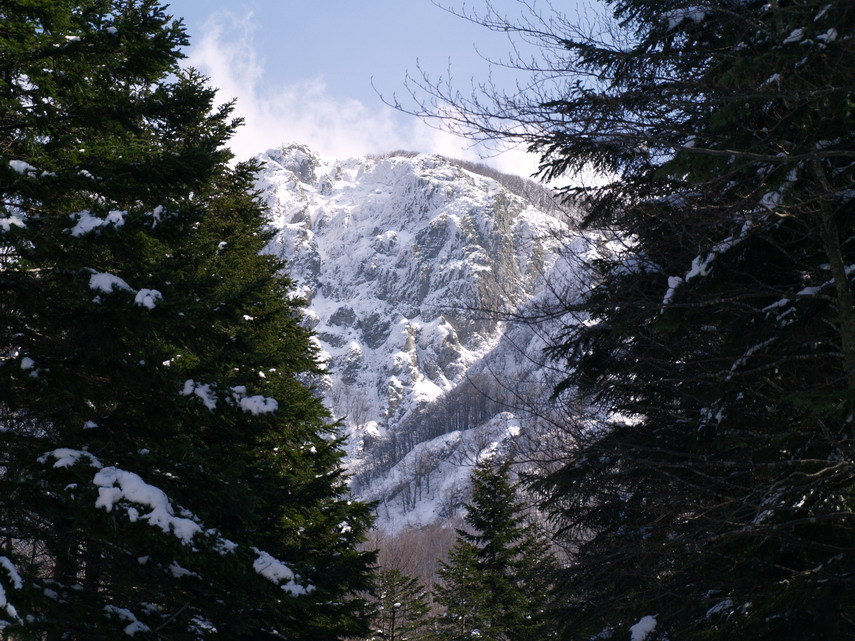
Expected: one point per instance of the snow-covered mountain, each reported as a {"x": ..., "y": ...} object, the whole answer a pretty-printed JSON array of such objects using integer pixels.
[{"x": 411, "y": 266}]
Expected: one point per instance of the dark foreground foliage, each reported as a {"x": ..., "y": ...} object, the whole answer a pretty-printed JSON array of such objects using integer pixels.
[{"x": 719, "y": 331}]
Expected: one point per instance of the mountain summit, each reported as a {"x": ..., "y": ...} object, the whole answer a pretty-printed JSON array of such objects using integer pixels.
[{"x": 409, "y": 264}]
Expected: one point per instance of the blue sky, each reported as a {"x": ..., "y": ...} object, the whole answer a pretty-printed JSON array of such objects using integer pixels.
[{"x": 302, "y": 71}]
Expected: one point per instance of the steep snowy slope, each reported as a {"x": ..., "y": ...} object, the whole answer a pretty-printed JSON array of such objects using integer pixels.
[{"x": 409, "y": 265}]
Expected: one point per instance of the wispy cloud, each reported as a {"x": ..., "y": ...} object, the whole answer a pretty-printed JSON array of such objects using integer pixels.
[{"x": 308, "y": 111}]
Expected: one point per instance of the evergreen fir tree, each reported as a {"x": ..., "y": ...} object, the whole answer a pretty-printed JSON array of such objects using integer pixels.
[
  {"x": 718, "y": 336},
  {"x": 498, "y": 580},
  {"x": 401, "y": 609},
  {"x": 712, "y": 492},
  {"x": 723, "y": 327},
  {"x": 165, "y": 472}
]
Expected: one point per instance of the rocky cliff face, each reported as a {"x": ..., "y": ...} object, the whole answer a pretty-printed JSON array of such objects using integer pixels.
[{"x": 409, "y": 265}]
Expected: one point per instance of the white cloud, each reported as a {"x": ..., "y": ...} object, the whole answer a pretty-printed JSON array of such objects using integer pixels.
[{"x": 308, "y": 111}]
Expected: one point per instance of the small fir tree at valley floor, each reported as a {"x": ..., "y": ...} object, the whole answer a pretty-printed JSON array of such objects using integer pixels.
[
  {"x": 402, "y": 608},
  {"x": 497, "y": 584},
  {"x": 165, "y": 473}
]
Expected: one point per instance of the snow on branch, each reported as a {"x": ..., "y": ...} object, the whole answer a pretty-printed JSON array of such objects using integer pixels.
[
  {"x": 66, "y": 457},
  {"x": 675, "y": 17},
  {"x": 116, "y": 485},
  {"x": 124, "y": 614},
  {"x": 86, "y": 222},
  {"x": 276, "y": 571},
  {"x": 742, "y": 360},
  {"x": 7, "y": 565},
  {"x": 643, "y": 629},
  {"x": 702, "y": 262},
  {"x": 22, "y": 167},
  {"x": 106, "y": 283},
  {"x": 17, "y": 583},
  {"x": 148, "y": 298},
  {"x": 254, "y": 405},
  {"x": 14, "y": 219},
  {"x": 202, "y": 390}
]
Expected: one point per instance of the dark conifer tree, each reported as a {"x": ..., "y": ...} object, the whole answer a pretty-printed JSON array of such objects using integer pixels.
[
  {"x": 165, "y": 472},
  {"x": 497, "y": 582},
  {"x": 718, "y": 337},
  {"x": 722, "y": 331}
]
